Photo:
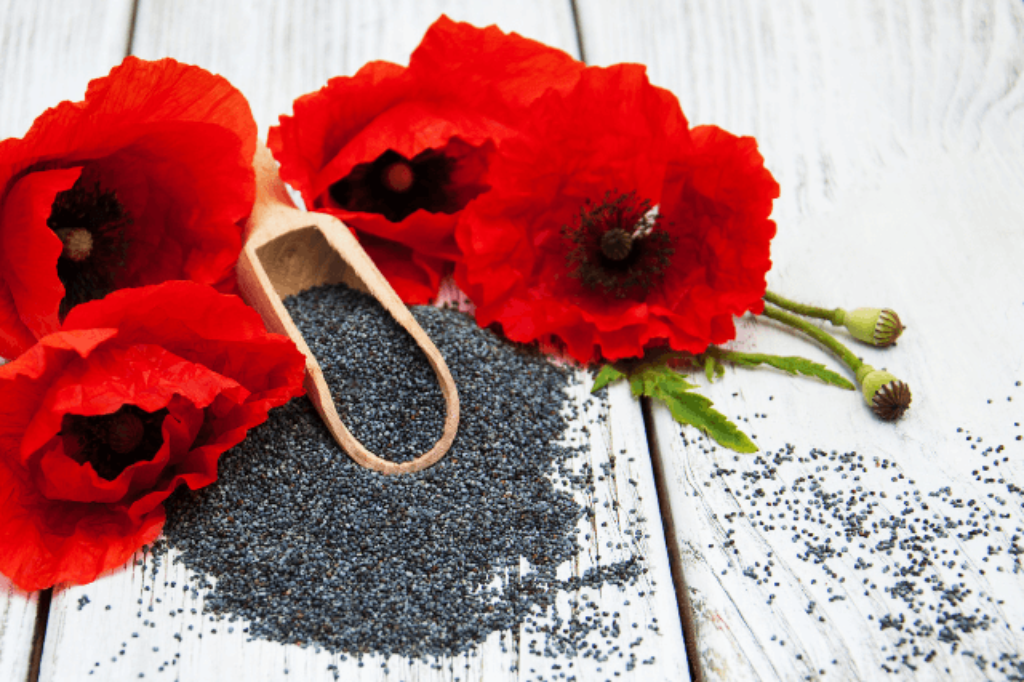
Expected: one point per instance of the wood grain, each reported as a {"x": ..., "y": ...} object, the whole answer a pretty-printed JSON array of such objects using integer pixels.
[
  {"x": 17, "y": 627},
  {"x": 274, "y": 52},
  {"x": 895, "y": 131},
  {"x": 49, "y": 50}
]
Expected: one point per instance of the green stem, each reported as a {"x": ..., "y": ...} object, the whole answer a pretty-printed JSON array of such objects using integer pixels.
[
  {"x": 835, "y": 315},
  {"x": 822, "y": 337},
  {"x": 720, "y": 353}
]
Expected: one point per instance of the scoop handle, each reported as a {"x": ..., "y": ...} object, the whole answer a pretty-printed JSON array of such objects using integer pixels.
[{"x": 274, "y": 216}]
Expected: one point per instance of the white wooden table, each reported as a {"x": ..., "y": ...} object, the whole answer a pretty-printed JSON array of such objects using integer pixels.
[{"x": 848, "y": 548}]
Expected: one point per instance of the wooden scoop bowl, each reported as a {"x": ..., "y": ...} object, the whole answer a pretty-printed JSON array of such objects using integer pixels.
[{"x": 288, "y": 251}]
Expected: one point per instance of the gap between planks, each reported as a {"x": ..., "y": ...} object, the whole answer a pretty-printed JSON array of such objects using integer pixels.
[{"x": 687, "y": 617}]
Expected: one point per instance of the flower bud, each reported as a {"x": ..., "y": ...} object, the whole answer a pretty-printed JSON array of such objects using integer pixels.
[
  {"x": 887, "y": 396},
  {"x": 876, "y": 326}
]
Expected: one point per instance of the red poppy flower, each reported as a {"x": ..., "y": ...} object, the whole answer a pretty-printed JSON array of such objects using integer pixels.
[
  {"x": 611, "y": 227},
  {"x": 100, "y": 421},
  {"x": 145, "y": 180},
  {"x": 396, "y": 152}
]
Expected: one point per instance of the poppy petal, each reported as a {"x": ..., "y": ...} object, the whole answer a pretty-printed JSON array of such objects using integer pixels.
[
  {"x": 15, "y": 337},
  {"x": 215, "y": 330},
  {"x": 30, "y": 248},
  {"x": 120, "y": 107},
  {"x": 472, "y": 63},
  {"x": 43, "y": 542}
]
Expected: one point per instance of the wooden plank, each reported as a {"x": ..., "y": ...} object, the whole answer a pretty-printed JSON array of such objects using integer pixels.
[
  {"x": 17, "y": 628},
  {"x": 273, "y": 55},
  {"x": 274, "y": 52},
  {"x": 894, "y": 130},
  {"x": 49, "y": 50}
]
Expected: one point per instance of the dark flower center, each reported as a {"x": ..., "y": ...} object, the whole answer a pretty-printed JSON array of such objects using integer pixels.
[
  {"x": 396, "y": 187},
  {"x": 77, "y": 243},
  {"x": 90, "y": 222},
  {"x": 113, "y": 442},
  {"x": 617, "y": 246},
  {"x": 398, "y": 177}
]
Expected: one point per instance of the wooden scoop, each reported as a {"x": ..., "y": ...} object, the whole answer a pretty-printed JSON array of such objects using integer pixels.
[{"x": 288, "y": 251}]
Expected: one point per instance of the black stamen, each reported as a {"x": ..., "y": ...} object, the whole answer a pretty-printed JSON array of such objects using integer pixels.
[
  {"x": 91, "y": 222},
  {"x": 113, "y": 442}
]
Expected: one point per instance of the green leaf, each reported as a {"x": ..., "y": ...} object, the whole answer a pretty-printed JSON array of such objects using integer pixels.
[
  {"x": 689, "y": 408},
  {"x": 607, "y": 375},
  {"x": 710, "y": 368},
  {"x": 636, "y": 385},
  {"x": 792, "y": 364},
  {"x": 696, "y": 410},
  {"x": 650, "y": 378}
]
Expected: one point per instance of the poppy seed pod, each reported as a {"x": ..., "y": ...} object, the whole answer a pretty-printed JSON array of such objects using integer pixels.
[
  {"x": 876, "y": 326},
  {"x": 887, "y": 396}
]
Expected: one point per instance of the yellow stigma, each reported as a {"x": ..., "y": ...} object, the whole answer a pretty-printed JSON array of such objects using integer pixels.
[{"x": 77, "y": 242}]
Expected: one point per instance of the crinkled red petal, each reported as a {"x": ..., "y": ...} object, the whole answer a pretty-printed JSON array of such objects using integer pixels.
[
  {"x": 123, "y": 106},
  {"x": 437, "y": 230},
  {"x": 719, "y": 197},
  {"x": 482, "y": 68},
  {"x": 15, "y": 337},
  {"x": 44, "y": 542},
  {"x": 215, "y": 330}
]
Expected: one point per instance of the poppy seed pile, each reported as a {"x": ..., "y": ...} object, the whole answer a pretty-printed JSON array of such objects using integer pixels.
[{"x": 311, "y": 548}]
